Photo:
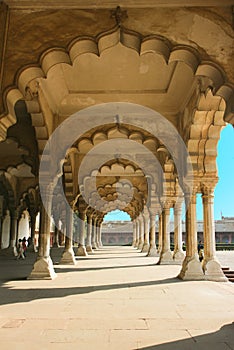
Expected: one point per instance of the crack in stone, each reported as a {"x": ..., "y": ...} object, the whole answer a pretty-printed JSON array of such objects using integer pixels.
[
  {"x": 191, "y": 336},
  {"x": 16, "y": 323},
  {"x": 230, "y": 347}
]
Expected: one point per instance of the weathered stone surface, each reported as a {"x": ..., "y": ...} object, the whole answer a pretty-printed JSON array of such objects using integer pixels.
[
  {"x": 152, "y": 252},
  {"x": 179, "y": 257},
  {"x": 166, "y": 258},
  {"x": 81, "y": 251},
  {"x": 206, "y": 29},
  {"x": 68, "y": 258},
  {"x": 213, "y": 271},
  {"x": 145, "y": 248},
  {"x": 191, "y": 269},
  {"x": 43, "y": 269},
  {"x": 89, "y": 249}
]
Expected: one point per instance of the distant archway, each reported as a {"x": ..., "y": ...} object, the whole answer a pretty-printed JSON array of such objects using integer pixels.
[
  {"x": 117, "y": 215},
  {"x": 117, "y": 228}
]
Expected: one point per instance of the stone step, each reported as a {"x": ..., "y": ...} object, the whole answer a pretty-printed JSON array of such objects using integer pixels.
[
  {"x": 225, "y": 268},
  {"x": 228, "y": 273},
  {"x": 230, "y": 276}
]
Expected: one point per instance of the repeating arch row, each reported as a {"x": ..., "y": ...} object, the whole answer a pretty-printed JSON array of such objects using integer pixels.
[{"x": 96, "y": 45}]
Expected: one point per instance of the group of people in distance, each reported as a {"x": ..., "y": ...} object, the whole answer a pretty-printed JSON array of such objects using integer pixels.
[
  {"x": 22, "y": 247},
  {"x": 24, "y": 243}
]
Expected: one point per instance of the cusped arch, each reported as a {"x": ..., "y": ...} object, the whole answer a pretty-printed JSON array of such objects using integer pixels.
[
  {"x": 152, "y": 44},
  {"x": 204, "y": 133}
]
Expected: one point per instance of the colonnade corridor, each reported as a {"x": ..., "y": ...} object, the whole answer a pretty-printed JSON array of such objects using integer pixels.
[{"x": 115, "y": 298}]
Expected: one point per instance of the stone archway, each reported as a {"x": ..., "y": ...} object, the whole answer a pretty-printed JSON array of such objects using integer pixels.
[{"x": 119, "y": 64}]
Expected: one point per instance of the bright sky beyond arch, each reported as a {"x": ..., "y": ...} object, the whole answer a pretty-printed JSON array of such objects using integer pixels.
[
  {"x": 117, "y": 215},
  {"x": 224, "y": 191}
]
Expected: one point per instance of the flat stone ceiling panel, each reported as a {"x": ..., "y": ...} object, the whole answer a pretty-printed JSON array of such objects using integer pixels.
[{"x": 119, "y": 68}]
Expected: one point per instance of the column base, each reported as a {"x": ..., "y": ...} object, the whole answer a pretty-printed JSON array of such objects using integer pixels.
[
  {"x": 178, "y": 257},
  {"x": 94, "y": 246},
  {"x": 32, "y": 248},
  {"x": 136, "y": 244},
  {"x": 145, "y": 248},
  {"x": 191, "y": 269},
  {"x": 81, "y": 251},
  {"x": 133, "y": 244},
  {"x": 159, "y": 250},
  {"x": 166, "y": 258},
  {"x": 43, "y": 269},
  {"x": 14, "y": 251},
  {"x": 68, "y": 258},
  {"x": 89, "y": 249},
  {"x": 9, "y": 251},
  {"x": 152, "y": 251},
  {"x": 213, "y": 271},
  {"x": 140, "y": 246}
]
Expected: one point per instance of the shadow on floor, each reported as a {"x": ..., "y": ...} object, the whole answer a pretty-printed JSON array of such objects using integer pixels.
[
  {"x": 107, "y": 252},
  {"x": 10, "y": 295},
  {"x": 18, "y": 270},
  {"x": 96, "y": 257},
  {"x": 83, "y": 269},
  {"x": 12, "y": 269},
  {"x": 223, "y": 339}
]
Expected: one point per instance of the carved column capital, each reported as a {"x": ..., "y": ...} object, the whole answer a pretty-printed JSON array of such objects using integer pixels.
[{"x": 207, "y": 190}]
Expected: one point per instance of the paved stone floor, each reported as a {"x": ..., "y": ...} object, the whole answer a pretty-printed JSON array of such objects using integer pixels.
[{"x": 114, "y": 299}]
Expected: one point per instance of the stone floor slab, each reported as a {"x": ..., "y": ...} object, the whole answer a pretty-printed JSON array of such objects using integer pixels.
[{"x": 113, "y": 299}]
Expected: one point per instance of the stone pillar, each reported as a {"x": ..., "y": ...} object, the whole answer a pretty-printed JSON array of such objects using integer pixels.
[
  {"x": 43, "y": 267},
  {"x": 160, "y": 233},
  {"x": 94, "y": 244},
  {"x": 146, "y": 245},
  {"x": 81, "y": 251},
  {"x": 152, "y": 249},
  {"x": 1, "y": 218},
  {"x": 1, "y": 223},
  {"x": 89, "y": 233},
  {"x": 56, "y": 237},
  {"x": 166, "y": 256},
  {"x": 134, "y": 234},
  {"x": 97, "y": 232},
  {"x": 33, "y": 216},
  {"x": 13, "y": 233},
  {"x": 191, "y": 267},
  {"x": 141, "y": 232},
  {"x": 137, "y": 233},
  {"x": 100, "y": 233},
  {"x": 56, "y": 231},
  {"x": 178, "y": 255},
  {"x": 68, "y": 256},
  {"x": 211, "y": 265},
  {"x": 62, "y": 232}
]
